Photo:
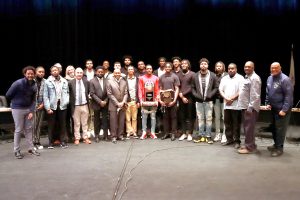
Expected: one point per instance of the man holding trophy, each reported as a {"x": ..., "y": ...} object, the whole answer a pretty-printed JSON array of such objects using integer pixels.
[{"x": 148, "y": 95}]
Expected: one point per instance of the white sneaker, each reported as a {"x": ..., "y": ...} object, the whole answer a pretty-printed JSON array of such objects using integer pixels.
[
  {"x": 217, "y": 137},
  {"x": 189, "y": 137},
  {"x": 224, "y": 139},
  {"x": 40, "y": 147},
  {"x": 144, "y": 136},
  {"x": 182, "y": 137},
  {"x": 92, "y": 134}
]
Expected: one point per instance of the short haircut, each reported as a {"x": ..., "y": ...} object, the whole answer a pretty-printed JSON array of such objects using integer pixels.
[
  {"x": 176, "y": 58},
  {"x": 127, "y": 56},
  {"x": 88, "y": 60},
  {"x": 148, "y": 65},
  {"x": 78, "y": 69},
  {"x": 203, "y": 60},
  {"x": 39, "y": 67},
  {"x": 99, "y": 67},
  {"x": 54, "y": 66},
  {"x": 162, "y": 58},
  {"x": 131, "y": 66},
  {"x": 169, "y": 63},
  {"x": 28, "y": 68}
]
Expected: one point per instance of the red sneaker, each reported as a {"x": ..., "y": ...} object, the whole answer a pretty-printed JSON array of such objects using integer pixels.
[
  {"x": 153, "y": 136},
  {"x": 56, "y": 142}
]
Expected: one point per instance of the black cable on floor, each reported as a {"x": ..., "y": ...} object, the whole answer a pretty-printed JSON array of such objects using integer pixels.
[
  {"x": 120, "y": 178},
  {"x": 147, "y": 155}
]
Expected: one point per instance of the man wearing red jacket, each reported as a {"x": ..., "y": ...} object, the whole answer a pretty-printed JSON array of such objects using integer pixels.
[{"x": 148, "y": 93}]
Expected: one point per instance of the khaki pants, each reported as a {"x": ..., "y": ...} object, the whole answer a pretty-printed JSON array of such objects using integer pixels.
[
  {"x": 131, "y": 117},
  {"x": 80, "y": 117}
]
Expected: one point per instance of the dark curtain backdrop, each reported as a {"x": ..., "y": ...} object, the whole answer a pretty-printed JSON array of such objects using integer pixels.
[{"x": 69, "y": 32}]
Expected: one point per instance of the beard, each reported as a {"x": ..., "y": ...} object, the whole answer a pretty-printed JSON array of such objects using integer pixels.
[
  {"x": 38, "y": 79},
  {"x": 100, "y": 75},
  {"x": 185, "y": 70},
  {"x": 203, "y": 71}
]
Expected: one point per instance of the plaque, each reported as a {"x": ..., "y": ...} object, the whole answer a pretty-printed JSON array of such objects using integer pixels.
[{"x": 167, "y": 96}]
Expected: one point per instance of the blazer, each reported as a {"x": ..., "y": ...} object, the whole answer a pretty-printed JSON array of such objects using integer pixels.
[
  {"x": 98, "y": 94},
  {"x": 212, "y": 88},
  {"x": 72, "y": 88},
  {"x": 117, "y": 93}
]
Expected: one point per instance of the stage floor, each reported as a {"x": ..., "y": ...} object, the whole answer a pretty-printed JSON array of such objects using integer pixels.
[{"x": 150, "y": 169}]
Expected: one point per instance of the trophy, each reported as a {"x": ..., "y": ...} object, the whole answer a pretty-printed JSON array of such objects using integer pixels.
[{"x": 149, "y": 100}]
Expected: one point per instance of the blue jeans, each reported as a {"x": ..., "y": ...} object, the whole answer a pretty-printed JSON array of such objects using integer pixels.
[
  {"x": 144, "y": 120},
  {"x": 279, "y": 128},
  {"x": 219, "y": 115},
  {"x": 204, "y": 115}
]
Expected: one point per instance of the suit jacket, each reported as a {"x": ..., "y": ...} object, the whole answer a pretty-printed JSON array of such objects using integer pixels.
[
  {"x": 212, "y": 88},
  {"x": 72, "y": 88},
  {"x": 98, "y": 94},
  {"x": 117, "y": 93}
]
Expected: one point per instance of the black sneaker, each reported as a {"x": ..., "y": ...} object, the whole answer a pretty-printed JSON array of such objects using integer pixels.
[
  {"x": 209, "y": 140},
  {"x": 63, "y": 145},
  {"x": 271, "y": 148},
  {"x": 18, "y": 155},
  {"x": 276, "y": 152}
]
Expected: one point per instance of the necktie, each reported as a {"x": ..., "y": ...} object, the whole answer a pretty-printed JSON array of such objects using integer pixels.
[
  {"x": 101, "y": 83},
  {"x": 80, "y": 93}
]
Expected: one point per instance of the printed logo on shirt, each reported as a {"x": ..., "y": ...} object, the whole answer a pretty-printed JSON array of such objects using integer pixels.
[{"x": 276, "y": 85}]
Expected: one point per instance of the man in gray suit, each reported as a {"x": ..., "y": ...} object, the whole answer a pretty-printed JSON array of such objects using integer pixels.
[
  {"x": 117, "y": 94},
  {"x": 99, "y": 103}
]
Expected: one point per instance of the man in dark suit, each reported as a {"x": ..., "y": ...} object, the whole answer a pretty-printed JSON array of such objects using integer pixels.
[
  {"x": 117, "y": 94},
  {"x": 79, "y": 91},
  {"x": 99, "y": 103}
]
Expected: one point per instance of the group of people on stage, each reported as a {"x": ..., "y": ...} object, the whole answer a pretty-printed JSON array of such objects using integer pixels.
[{"x": 89, "y": 101}]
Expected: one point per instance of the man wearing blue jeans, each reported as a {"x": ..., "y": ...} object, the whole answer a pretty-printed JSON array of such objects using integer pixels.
[
  {"x": 148, "y": 93},
  {"x": 219, "y": 105},
  {"x": 204, "y": 89}
]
